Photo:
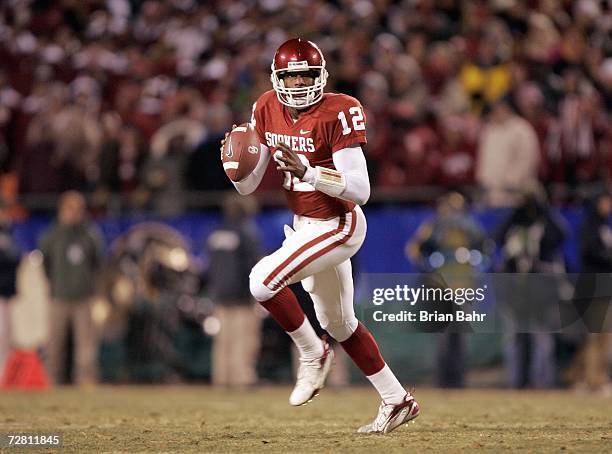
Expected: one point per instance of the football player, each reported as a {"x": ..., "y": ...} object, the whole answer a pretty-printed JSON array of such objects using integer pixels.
[{"x": 315, "y": 138}]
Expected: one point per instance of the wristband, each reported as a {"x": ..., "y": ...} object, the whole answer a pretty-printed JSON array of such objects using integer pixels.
[{"x": 329, "y": 181}]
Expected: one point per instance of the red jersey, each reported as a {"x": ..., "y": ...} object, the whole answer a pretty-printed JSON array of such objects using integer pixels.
[{"x": 334, "y": 123}]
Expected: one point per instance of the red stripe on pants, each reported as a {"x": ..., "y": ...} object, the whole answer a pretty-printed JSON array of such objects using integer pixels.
[
  {"x": 318, "y": 254},
  {"x": 304, "y": 248}
]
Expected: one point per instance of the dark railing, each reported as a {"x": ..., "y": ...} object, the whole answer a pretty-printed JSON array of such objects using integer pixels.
[
  {"x": 199, "y": 200},
  {"x": 118, "y": 203}
]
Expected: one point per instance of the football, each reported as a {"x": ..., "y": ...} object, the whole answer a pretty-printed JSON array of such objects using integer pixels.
[{"x": 240, "y": 152}]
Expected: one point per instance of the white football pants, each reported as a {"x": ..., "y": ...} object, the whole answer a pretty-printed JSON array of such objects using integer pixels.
[{"x": 317, "y": 253}]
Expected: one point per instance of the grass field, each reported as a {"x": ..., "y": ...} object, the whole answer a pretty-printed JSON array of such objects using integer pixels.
[{"x": 202, "y": 419}]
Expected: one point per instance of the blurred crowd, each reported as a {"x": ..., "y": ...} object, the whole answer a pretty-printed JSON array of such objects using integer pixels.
[{"x": 132, "y": 96}]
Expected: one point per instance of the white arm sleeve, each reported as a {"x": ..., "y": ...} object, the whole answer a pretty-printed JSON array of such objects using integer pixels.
[
  {"x": 250, "y": 183},
  {"x": 350, "y": 180}
]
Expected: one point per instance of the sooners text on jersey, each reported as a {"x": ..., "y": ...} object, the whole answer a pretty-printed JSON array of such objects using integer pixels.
[{"x": 334, "y": 123}]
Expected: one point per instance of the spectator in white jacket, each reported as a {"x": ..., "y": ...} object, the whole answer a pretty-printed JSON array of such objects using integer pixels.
[{"x": 508, "y": 156}]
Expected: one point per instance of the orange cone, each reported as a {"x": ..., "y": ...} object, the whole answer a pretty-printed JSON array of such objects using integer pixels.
[{"x": 24, "y": 370}]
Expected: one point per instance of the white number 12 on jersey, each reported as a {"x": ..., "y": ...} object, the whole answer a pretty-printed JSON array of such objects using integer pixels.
[
  {"x": 291, "y": 183},
  {"x": 357, "y": 117}
]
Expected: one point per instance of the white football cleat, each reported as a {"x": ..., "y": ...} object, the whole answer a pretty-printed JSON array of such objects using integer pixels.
[
  {"x": 392, "y": 416},
  {"x": 311, "y": 377}
]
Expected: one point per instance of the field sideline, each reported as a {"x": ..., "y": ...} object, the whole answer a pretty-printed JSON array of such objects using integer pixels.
[{"x": 203, "y": 419}]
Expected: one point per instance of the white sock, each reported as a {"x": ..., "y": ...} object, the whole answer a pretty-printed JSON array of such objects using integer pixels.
[
  {"x": 308, "y": 343},
  {"x": 390, "y": 389}
]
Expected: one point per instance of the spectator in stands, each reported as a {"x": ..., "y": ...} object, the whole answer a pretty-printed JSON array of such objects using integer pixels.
[
  {"x": 457, "y": 151},
  {"x": 206, "y": 154},
  {"x": 402, "y": 63},
  {"x": 234, "y": 248},
  {"x": 541, "y": 39},
  {"x": 508, "y": 156},
  {"x": 581, "y": 125},
  {"x": 76, "y": 132},
  {"x": 72, "y": 254},
  {"x": 440, "y": 66},
  {"x": 188, "y": 123},
  {"x": 374, "y": 94},
  {"x": 121, "y": 154},
  {"x": 487, "y": 78},
  {"x": 408, "y": 90},
  {"x": 110, "y": 170},
  {"x": 451, "y": 96},
  {"x": 120, "y": 165},
  {"x": 416, "y": 161},
  {"x": 42, "y": 169},
  {"x": 10, "y": 101},
  {"x": 530, "y": 104},
  {"x": 604, "y": 77},
  {"x": 9, "y": 260}
]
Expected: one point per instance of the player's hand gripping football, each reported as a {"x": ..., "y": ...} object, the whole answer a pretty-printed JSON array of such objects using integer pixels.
[
  {"x": 224, "y": 139},
  {"x": 291, "y": 161}
]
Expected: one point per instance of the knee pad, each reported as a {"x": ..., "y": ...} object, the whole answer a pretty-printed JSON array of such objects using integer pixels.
[
  {"x": 342, "y": 329},
  {"x": 256, "y": 285}
]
